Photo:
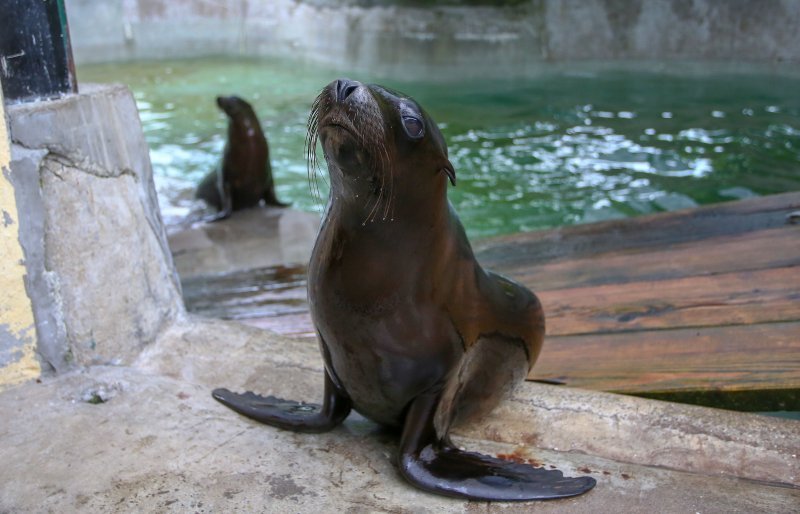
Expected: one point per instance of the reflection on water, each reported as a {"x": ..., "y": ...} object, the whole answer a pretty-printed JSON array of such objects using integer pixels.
[{"x": 567, "y": 146}]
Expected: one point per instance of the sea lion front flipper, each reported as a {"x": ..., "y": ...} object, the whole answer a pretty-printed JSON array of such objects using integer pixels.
[
  {"x": 429, "y": 462},
  {"x": 288, "y": 414}
]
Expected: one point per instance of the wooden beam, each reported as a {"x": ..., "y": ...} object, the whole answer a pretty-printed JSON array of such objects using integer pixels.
[
  {"x": 761, "y": 249},
  {"x": 738, "y": 298},
  {"x": 763, "y": 357},
  {"x": 700, "y": 306},
  {"x": 527, "y": 249}
]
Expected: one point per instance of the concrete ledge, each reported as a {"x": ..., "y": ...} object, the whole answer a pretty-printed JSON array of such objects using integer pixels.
[
  {"x": 159, "y": 442},
  {"x": 616, "y": 427}
]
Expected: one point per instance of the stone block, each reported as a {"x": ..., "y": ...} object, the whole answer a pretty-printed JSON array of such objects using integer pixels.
[{"x": 100, "y": 274}]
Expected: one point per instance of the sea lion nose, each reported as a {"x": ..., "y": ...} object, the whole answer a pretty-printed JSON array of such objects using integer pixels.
[{"x": 344, "y": 88}]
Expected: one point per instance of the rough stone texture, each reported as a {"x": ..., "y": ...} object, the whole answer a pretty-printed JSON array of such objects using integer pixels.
[
  {"x": 616, "y": 427},
  {"x": 159, "y": 443},
  {"x": 100, "y": 274},
  {"x": 398, "y": 39},
  {"x": 648, "y": 432}
]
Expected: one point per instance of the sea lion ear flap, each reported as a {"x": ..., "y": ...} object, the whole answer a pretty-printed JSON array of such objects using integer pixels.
[{"x": 450, "y": 172}]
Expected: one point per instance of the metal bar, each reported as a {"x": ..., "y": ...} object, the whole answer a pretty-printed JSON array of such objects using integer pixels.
[{"x": 35, "y": 52}]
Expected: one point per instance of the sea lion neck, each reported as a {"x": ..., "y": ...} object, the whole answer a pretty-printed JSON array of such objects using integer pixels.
[{"x": 363, "y": 214}]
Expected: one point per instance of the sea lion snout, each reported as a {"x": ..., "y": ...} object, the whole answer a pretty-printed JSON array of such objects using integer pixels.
[
  {"x": 233, "y": 105},
  {"x": 224, "y": 101},
  {"x": 344, "y": 88}
]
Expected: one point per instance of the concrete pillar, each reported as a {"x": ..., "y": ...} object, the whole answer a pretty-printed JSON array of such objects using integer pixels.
[
  {"x": 99, "y": 273},
  {"x": 17, "y": 333}
]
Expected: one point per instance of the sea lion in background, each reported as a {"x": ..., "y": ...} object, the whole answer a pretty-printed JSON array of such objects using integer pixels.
[
  {"x": 245, "y": 176},
  {"x": 413, "y": 332}
]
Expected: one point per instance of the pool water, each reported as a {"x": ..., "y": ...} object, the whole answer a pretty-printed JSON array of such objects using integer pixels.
[{"x": 572, "y": 144}]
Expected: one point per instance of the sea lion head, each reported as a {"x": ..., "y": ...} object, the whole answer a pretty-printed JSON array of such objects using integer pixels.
[
  {"x": 235, "y": 107},
  {"x": 380, "y": 145},
  {"x": 242, "y": 118}
]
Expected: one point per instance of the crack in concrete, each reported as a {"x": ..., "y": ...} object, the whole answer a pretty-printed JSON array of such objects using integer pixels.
[
  {"x": 217, "y": 447},
  {"x": 78, "y": 162}
]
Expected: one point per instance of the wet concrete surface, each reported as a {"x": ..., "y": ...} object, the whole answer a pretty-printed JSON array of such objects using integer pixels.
[
  {"x": 149, "y": 438},
  {"x": 251, "y": 238}
]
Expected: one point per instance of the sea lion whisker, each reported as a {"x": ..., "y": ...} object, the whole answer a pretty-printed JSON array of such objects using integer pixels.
[
  {"x": 370, "y": 216},
  {"x": 383, "y": 191},
  {"x": 311, "y": 159},
  {"x": 320, "y": 104},
  {"x": 388, "y": 169}
]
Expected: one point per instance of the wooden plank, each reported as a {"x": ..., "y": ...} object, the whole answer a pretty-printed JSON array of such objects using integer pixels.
[
  {"x": 278, "y": 291},
  {"x": 755, "y": 357},
  {"x": 700, "y": 306},
  {"x": 752, "y": 367},
  {"x": 653, "y": 231},
  {"x": 770, "y": 248},
  {"x": 727, "y": 299}
]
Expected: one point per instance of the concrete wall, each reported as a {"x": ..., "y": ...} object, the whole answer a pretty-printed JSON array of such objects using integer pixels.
[
  {"x": 17, "y": 332},
  {"x": 98, "y": 270},
  {"x": 99, "y": 279},
  {"x": 409, "y": 37}
]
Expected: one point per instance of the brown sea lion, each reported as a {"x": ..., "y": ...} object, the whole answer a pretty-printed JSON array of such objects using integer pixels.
[
  {"x": 413, "y": 332},
  {"x": 244, "y": 177}
]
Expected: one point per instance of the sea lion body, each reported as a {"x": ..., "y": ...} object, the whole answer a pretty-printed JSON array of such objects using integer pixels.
[
  {"x": 244, "y": 177},
  {"x": 400, "y": 315},
  {"x": 413, "y": 332}
]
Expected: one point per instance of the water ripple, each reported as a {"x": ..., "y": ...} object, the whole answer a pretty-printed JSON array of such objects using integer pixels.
[{"x": 529, "y": 154}]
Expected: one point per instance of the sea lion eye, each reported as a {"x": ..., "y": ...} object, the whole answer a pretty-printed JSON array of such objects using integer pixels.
[{"x": 413, "y": 127}]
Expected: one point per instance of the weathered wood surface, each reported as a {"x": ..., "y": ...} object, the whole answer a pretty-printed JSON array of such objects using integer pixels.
[{"x": 701, "y": 305}]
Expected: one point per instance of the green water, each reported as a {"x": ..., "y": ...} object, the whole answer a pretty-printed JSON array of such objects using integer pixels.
[{"x": 573, "y": 144}]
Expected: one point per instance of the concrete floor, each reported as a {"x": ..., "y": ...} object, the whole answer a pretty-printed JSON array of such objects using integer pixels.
[
  {"x": 160, "y": 443},
  {"x": 149, "y": 437}
]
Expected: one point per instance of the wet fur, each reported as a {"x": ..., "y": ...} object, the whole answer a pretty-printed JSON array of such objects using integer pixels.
[
  {"x": 413, "y": 332},
  {"x": 244, "y": 177}
]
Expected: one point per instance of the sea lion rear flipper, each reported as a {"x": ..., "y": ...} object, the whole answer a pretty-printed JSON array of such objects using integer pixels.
[
  {"x": 430, "y": 462},
  {"x": 225, "y": 209},
  {"x": 271, "y": 199},
  {"x": 288, "y": 414}
]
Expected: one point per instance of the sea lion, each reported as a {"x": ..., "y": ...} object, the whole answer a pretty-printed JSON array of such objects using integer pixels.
[
  {"x": 413, "y": 332},
  {"x": 244, "y": 177}
]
